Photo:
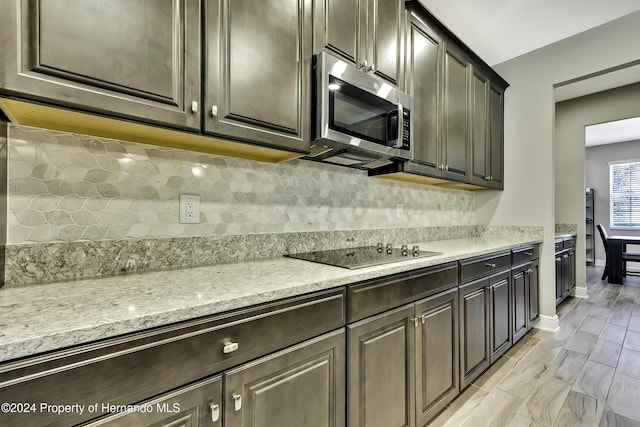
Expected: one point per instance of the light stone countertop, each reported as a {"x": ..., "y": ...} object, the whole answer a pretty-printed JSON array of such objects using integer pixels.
[{"x": 40, "y": 318}]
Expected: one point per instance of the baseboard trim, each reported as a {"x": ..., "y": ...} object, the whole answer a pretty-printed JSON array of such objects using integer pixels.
[
  {"x": 579, "y": 292},
  {"x": 548, "y": 323}
]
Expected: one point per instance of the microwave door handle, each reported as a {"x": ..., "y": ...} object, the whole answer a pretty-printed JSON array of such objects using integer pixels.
[{"x": 400, "y": 123}]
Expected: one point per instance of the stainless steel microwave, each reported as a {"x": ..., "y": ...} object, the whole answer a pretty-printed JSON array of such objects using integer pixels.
[{"x": 360, "y": 120}]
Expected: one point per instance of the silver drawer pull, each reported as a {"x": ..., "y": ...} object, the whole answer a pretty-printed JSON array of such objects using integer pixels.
[
  {"x": 229, "y": 347},
  {"x": 214, "y": 111},
  {"x": 528, "y": 253},
  {"x": 489, "y": 264},
  {"x": 194, "y": 107},
  {"x": 215, "y": 412},
  {"x": 237, "y": 401}
]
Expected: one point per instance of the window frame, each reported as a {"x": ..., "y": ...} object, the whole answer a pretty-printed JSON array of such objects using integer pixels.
[{"x": 612, "y": 164}]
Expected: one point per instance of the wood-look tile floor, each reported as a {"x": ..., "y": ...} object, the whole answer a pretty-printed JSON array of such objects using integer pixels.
[{"x": 586, "y": 374}]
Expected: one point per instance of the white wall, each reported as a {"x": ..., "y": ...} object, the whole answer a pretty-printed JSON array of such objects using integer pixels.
[{"x": 528, "y": 198}]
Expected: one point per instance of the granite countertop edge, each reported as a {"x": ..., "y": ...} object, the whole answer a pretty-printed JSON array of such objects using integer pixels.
[{"x": 43, "y": 318}]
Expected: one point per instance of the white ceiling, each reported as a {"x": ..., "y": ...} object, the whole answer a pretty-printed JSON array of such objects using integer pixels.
[
  {"x": 612, "y": 132},
  {"x": 499, "y": 30}
]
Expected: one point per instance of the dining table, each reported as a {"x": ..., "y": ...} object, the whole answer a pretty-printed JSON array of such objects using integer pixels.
[{"x": 616, "y": 245}]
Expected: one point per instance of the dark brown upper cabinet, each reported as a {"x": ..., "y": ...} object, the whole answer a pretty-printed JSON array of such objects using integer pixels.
[
  {"x": 138, "y": 60},
  {"x": 367, "y": 33},
  {"x": 457, "y": 129},
  {"x": 487, "y": 140},
  {"x": 258, "y": 71}
]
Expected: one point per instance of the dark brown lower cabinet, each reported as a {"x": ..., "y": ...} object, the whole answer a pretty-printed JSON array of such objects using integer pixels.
[
  {"x": 303, "y": 385},
  {"x": 197, "y": 405},
  {"x": 532, "y": 292},
  {"x": 520, "y": 301},
  {"x": 500, "y": 314},
  {"x": 403, "y": 364},
  {"x": 437, "y": 361},
  {"x": 485, "y": 324},
  {"x": 525, "y": 298},
  {"x": 380, "y": 369},
  {"x": 474, "y": 330},
  {"x": 565, "y": 267}
]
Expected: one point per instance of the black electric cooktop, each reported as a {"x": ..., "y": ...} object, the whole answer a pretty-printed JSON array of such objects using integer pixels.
[{"x": 365, "y": 256}]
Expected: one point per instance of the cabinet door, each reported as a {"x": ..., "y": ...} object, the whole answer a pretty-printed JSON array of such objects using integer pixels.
[
  {"x": 559, "y": 278},
  {"x": 385, "y": 39},
  {"x": 138, "y": 60},
  {"x": 566, "y": 274},
  {"x": 300, "y": 386},
  {"x": 519, "y": 302},
  {"x": 380, "y": 370},
  {"x": 496, "y": 137},
  {"x": 336, "y": 28},
  {"x": 258, "y": 71},
  {"x": 480, "y": 151},
  {"x": 474, "y": 331},
  {"x": 437, "y": 363},
  {"x": 533, "y": 284},
  {"x": 197, "y": 405},
  {"x": 424, "y": 72},
  {"x": 571, "y": 265},
  {"x": 500, "y": 314},
  {"x": 455, "y": 136}
]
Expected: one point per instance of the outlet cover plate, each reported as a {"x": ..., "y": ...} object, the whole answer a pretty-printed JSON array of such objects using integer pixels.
[{"x": 189, "y": 209}]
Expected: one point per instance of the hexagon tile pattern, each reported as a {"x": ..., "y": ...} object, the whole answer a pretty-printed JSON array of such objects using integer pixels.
[{"x": 67, "y": 187}]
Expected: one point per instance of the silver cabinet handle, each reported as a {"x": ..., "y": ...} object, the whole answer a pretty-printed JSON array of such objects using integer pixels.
[
  {"x": 215, "y": 412},
  {"x": 529, "y": 253},
  {"x": 229, "y": 347},
  {"x": 194, "y": 107},
  {"x": 214, "y": 111},
  {"x": 415, "y": 321},
  {"x": 446, "y": 167},
  {"x": 489, "y": 264},
  {"x": 442, "y": 166},
  {"x": 370, "y": 68},
  {"x": 237, "y": 401},
  {"x": 363, "y": 65}
]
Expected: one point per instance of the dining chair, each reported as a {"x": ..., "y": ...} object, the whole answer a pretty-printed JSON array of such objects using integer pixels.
[
  {"x": 603, "y": 236},
  {"x": 626, "y": 256}
]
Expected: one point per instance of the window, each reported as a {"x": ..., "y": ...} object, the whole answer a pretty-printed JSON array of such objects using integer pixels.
[{"x": 624, "y": 181}]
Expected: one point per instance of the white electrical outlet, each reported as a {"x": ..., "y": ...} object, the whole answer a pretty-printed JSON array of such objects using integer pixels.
[
  {"x": 189, "y": 209},
  {"x": 454, "y": 213},
  {"x": 399, "y": 211}
]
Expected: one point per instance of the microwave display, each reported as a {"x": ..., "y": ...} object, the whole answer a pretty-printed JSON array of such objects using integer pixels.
[{"x": 364, "y": 115}]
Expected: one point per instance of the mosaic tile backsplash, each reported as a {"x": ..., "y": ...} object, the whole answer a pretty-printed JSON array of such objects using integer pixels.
[{"x": 70, "y": 188}]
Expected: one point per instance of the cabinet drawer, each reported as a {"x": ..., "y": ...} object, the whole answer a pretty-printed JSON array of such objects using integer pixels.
[
  {"x": 569, "y": 242},
  {"x": 376, "y": 296},
  {"x": 524, "y": 254},
  {"x": 474, "y": 268},
  {"x": 132, "y": 368},
  {"x": 559, "y": 245},
  {"x": 194, "y": 405}
]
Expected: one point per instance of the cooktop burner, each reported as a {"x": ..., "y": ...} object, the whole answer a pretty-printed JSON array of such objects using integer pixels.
[{"x": 365, "y": 256}]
